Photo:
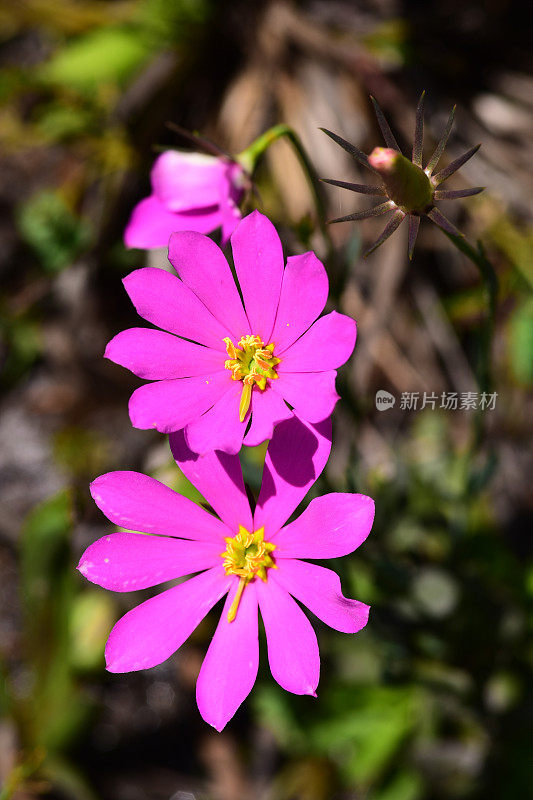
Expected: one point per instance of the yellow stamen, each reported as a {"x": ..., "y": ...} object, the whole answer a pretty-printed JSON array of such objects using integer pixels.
[
  {"x": 232, "y": 613},
  {"x": 261, "y": 361},
  {"x": 253, "y": 364},
  {"x": 230, "y": 347},
  {"x": 247, "y": 555},
  {"x": 246, "y": 397}
]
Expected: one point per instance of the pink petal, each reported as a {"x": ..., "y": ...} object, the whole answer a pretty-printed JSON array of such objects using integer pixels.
[
  {"x": 231, "y": 216},
  {"x": 326, "y": 345},
  {"x": 150, "y": 633},
  {"x": 258, "y": 258},
  {"x": 183, "y": 181},
  {"x": 320, "y": 590},
  {"x": 311, "y": 394},
  {"x": 170, "y": 405},
  {"x": 236, "y": 181},
  {"x": 162, "y": 299},
  {"x": 200, "y": 263},
  {"x": 139, "y": 503},
  {"x": 268, "y": 409},
  {"x": 123, "y": 562},
  {"x": 233, "y": 191},
  {"x": 152, "y": 224},
  {"x": 155, "y": 355},
  {"x": 292, "y": 646},
  {"x": 220, "y": 427},
  {"x": 331, "y": 526},
  {"x": 295, "y": 457},
  {"x": 218, "y": 477},
  {"x": 304, "y": 292},
  {"x": 230, "y": 666}
]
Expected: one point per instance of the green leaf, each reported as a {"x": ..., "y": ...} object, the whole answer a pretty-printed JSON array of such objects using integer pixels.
[
  {"x": 49, "y": 226},
  {"x": 516, "y": 244},
  {"x": 274, "y": 709},
  {"x": 24, "y": 345},
  {"x": 107, "y": 55},
  {"x": 92, "y": 616},
  {"x": 56, "y": 710},
  {"x": 404, "y": 786},
  {"x": 60, "y": 122},
  {"x": 521, "y": 342},
  {"x": 369, "y": 724},
  {"x": 45, "y": 555},
  {"x": 171, "y": 22}
]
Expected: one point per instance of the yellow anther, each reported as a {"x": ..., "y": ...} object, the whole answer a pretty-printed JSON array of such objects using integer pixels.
[
  {"x": 231, "y": 350},
  {"x": 261, "y": 361},
  {"x": 247, "y": 555},
  {"x": 252, "y": 363}
]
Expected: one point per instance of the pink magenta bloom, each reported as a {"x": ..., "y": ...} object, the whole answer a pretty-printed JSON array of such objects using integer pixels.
[
  {"x": 247, "y": 556},
  {"x": 223, "y": 372},
  {"x": 190, "y": 192}
]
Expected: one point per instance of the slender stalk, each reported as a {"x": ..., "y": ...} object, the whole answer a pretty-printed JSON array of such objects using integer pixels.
[{"x": 250, "y": 157}]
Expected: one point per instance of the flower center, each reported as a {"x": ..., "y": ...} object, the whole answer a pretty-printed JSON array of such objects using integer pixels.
[
  {"x": 252, "y": 363},
  {"x": 247, "y": 555}
]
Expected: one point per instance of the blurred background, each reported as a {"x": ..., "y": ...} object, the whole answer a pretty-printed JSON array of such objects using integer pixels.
[{"x": 435, "y": 698}]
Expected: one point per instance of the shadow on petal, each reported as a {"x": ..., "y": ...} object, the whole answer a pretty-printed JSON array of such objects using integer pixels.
[
  {"x": 183, "y": 454},
  {"x": 295, "y": 458},
  {"x": 291, "y": 452}
]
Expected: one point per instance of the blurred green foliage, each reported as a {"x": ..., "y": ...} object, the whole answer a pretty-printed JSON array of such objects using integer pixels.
[
  {"x": 521, "y": 342},
  {"x": 389, "y": 42},
  {"x": 64, "y": 633},
  {"x": 48, "y": 591},
  {"x": 518, "y": 248},
  {"x": 81, "y": 452},
  {"x": 54, "y": 232},
  {"x": 100, "y": 56},
  {"x": 21, "y": 335},
  {"x": 429, "y": 677},
  {"x": 516, "y": 291}
]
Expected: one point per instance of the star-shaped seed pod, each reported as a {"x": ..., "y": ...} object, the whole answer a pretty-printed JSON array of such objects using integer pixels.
[{"x": 410, "y": 190}]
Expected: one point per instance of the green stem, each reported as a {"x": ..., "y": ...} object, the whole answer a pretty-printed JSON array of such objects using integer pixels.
[{"x": 250, "y": 157}]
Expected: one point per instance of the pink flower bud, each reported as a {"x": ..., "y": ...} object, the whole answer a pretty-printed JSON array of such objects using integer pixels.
[{"x": 406, "y": 183}]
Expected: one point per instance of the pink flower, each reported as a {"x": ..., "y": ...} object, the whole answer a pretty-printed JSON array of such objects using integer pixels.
[
  {"x": 247, "y": 556},
  {"x": 190, "y": 192},
  {"x": 233, "y": 366}
]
